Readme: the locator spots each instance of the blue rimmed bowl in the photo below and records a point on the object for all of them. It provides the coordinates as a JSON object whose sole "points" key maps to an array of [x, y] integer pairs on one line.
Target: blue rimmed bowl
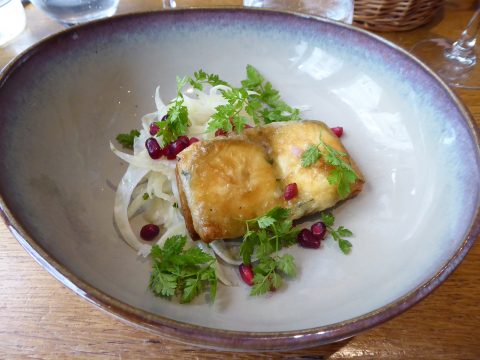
{"points": [[65, 98]]}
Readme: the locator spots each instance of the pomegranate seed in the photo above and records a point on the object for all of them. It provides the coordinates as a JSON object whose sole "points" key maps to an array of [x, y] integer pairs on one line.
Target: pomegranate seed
{"points": [[337, 131], [248, 126], [193, 140], [164, 118], [319, 229], [149, 232], [153, 148], [154, 129], [291, 190], [220, 132], [174, 148], [306, 239], [184, 139], [246, 272]]}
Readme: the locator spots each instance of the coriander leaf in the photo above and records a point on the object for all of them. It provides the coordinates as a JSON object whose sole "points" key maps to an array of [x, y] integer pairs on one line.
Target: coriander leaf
{"points": [[328, 218], [266, 235], [344, 232], [345, 246], [338, 234], [278, 213], [272, 108], [174, 245], [265, 221], [310, 156], [266, 245], [193, 256], [176, 122], [248, 246], [201, 77], [127, 139], [261, 285], [181, 82], [156, 252], [275, 280], [145, 196], [342, 175], [286, 264], [192, 287], [162, 284], [185, 273]]}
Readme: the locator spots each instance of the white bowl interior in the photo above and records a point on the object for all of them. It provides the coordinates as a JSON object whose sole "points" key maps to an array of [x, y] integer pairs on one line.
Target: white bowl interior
{"points": [[401, 126]]}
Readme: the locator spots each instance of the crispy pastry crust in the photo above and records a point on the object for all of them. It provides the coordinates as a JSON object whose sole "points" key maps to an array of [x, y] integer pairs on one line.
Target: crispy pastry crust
{"points": [[227, 180]]}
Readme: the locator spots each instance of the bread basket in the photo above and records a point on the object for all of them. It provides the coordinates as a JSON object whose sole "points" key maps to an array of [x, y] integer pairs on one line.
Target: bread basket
{"points": [[393, 15]]}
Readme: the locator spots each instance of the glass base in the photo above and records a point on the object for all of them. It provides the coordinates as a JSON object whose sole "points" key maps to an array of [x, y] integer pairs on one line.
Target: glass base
{"points": [[434, 53]]}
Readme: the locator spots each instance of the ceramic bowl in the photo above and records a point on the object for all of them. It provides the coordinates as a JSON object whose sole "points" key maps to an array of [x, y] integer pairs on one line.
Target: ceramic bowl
{"points": [[67, 97]]}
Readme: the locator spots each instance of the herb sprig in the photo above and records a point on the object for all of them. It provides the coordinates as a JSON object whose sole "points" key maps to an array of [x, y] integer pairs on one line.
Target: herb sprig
{"points": [[342, 175], [338, 234], [264, 104], [127, 139], [265, 236], [176, 122], [185, 273], [256, 98], [200, 77]]}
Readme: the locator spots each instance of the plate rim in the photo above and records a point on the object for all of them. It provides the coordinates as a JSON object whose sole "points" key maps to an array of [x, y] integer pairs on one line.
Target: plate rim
{"points": [[232, 339]]}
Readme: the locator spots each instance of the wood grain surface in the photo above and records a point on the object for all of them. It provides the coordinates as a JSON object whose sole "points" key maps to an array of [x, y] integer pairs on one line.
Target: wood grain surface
{"points": [[40, 319]]}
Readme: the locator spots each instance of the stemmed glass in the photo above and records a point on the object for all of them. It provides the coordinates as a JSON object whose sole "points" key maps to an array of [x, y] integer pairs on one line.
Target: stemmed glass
{"points": [[454, 61]]}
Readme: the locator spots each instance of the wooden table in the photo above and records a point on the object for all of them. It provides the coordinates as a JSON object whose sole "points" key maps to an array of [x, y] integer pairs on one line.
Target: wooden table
{"points": [[39, 318]]}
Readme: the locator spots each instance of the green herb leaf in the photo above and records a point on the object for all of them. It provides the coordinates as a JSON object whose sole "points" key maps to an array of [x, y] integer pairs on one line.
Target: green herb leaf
{"points": [[339, 234], [310, 156], [127, 139], [201, 77], [265, 236], [145, 196], [161, 283], [185, 273], [286, 264], [328, 218], [342, 175]]}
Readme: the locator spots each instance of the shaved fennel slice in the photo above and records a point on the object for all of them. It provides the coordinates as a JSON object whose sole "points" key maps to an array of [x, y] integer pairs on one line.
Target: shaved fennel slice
{"points": [[224, 252], [129, 181], [142, 160], [224, 273], [159, 185], [161, 107], [137, 202]]}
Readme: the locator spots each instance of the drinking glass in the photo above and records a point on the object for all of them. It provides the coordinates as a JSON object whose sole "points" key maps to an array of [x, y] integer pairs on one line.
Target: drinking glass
{"points": [[456, 62], [12, 20], [72, 12], [340, 10]]}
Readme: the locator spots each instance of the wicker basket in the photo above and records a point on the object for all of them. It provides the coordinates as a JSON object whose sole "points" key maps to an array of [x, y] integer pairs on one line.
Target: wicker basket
{"points": [[393, 15]]}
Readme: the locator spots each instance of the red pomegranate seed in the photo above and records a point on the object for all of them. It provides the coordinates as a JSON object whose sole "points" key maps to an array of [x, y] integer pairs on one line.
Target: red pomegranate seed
{"points": [[154, 129], [193, 140], [291, 190], [184, 139], [247, 126], [149, 232], [246, 272], [307, 240], [153, 148], [337, 131], [319, 229], [220, 132], [174, 148]]}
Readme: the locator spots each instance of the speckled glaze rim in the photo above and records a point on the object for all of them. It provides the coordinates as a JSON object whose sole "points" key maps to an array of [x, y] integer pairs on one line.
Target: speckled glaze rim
{"points": [[226, 339]]}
